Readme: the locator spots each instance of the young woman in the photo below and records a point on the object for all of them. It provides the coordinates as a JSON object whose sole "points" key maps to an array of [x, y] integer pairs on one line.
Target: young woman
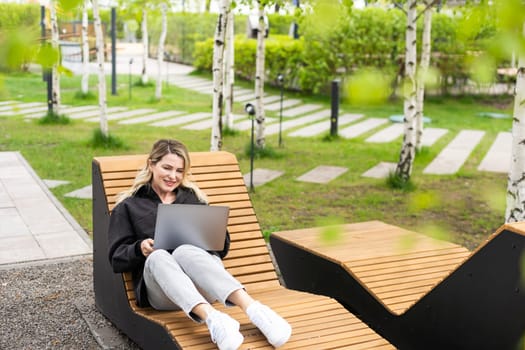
{"points": [[188, 278]]}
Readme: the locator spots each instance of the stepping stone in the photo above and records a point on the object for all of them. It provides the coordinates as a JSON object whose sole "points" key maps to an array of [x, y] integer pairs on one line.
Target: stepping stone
{"points": [[19, 108], [183, 120], [494, 115], [66, 110], [247, 124], [202, 125], [322, 174], [261, 177], [388, 134], [400, 118], [95, 112], [452, 157], [431, 135], [292, 123], [318, 128], [243, 98], [381, 170], [302, 109], [35, 110], [241, 92], [499, 156], [54, 183], [362, 127], [82, 193], [152, 117], [286, 103], [196, 84], [273, 98], [124, 114], [2, 103]]}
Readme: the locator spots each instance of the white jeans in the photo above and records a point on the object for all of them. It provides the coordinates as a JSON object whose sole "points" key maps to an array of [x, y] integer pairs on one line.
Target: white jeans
{"points": [[187, 277]]}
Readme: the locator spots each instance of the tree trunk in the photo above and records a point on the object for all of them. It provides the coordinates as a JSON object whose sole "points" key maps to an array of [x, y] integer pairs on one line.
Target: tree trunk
{"points": [[425, 63], [101, 74], [218, 67], [55, 87], [406, 157], [145, 46], [229, 71], [160, 52], [85, 49], [259, 79], [516, 184]]}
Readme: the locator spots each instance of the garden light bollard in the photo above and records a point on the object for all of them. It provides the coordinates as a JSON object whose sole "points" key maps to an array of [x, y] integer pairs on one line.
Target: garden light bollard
{"points": [[335, 108], [113, 51], [250, 109], [130, 63], [280, 79]]}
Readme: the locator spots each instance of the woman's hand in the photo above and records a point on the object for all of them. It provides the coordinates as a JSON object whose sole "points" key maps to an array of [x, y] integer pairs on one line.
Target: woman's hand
{"points": [[146, 247]]}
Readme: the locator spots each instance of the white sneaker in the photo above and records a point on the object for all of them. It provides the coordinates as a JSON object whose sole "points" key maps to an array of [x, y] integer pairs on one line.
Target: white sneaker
{"points": [[275, 328], [224, 331]]}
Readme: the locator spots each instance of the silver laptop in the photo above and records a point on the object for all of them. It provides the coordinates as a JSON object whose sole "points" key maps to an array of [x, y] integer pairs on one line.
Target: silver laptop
{"points": [[201, 225]]}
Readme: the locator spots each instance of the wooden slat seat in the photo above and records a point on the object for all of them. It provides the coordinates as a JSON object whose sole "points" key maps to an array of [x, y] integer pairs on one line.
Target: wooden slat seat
{"points": [[318, 322], [416, 291]]}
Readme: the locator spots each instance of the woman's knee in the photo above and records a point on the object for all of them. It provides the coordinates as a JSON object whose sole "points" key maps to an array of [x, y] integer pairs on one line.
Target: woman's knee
{"points": [[155, 257], [187, 250]]}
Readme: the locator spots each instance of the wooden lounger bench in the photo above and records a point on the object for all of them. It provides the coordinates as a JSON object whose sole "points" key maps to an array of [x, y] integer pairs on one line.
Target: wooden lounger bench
{"points": [[415, 291], [318, 322]]}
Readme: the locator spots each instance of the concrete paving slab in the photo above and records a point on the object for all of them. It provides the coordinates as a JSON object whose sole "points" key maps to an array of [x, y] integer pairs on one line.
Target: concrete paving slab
{"points": [[124, 114], [452, 157], [324, 126], [358, 129], [380, 171], [202, 125], [498, 158], [54, 183], [276, 106], [292, 123], [67, 111], [95, 112], [272, 98], [300, 110], [29, 210], [195, 84], [431, 135], [322, 174], [186, 119], [387, 134], [19, 108], [261, 177], [60, 244], [244, 98], [152, 117], [246, 124], [81, 193], [3, 103]]}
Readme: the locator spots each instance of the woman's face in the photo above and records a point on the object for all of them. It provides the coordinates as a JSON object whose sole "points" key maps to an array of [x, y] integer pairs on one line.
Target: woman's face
{"points": [[167, 173]]}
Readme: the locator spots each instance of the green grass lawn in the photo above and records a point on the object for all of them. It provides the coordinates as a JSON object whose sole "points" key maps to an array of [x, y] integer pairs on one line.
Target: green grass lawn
{"points": [[465, 208]]}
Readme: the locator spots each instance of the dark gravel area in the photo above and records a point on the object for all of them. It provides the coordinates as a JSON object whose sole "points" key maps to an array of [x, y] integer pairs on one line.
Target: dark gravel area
{"points": [[51, 306]]}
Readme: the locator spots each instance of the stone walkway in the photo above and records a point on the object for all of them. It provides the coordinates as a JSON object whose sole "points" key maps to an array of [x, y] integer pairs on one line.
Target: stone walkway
{"points": [[299, 120]]}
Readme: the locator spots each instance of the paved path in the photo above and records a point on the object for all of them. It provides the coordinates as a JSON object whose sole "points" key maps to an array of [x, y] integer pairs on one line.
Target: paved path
{"points": [[33, 224]]}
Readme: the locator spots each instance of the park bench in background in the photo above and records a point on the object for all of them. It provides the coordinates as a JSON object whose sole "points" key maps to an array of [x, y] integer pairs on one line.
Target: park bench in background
{"points": [[415, 291], [318, 322]]}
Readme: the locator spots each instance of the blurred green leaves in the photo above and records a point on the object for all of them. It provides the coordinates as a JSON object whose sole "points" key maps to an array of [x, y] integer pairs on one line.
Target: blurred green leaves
{"points": [[369, 86]]}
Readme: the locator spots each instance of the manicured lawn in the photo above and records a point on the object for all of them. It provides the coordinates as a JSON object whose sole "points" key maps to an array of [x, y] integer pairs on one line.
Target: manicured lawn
{"points": [[464, 208]]}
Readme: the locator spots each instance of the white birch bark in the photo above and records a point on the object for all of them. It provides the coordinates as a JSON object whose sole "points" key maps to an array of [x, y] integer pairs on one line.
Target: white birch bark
{"points": [[406, 157], [218, 67], [85, 49], [102, 95], [423, 71], [259, 79], [145, 45], [229, 71], [55, 87], [160, 51], [516, 183]]}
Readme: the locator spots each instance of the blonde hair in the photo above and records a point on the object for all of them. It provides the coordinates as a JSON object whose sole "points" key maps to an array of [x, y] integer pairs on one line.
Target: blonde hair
{"points": [[159, 150]]}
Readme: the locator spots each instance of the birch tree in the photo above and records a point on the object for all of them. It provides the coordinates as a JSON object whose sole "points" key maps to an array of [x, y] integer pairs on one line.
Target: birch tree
{"points": [[516, 182], [145, 44], [423, 70], [260, 139], [229, 71], [102, 94], [406, 157], [218, 74], [160, 50], [85, 49], [55, 89]]}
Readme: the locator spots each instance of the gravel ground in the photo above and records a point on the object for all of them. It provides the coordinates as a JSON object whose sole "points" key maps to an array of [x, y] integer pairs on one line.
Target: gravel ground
{"points": [[51, 306]]}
